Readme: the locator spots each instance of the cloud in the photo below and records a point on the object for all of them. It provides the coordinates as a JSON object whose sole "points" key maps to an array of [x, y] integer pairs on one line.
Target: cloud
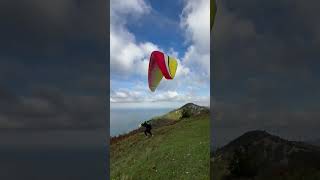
{"points": [[195, 20], [50, 109], [120, 10], [265, 68], [127, 56], [52, 65], [50, 29], [138, 97], [130, 58]]}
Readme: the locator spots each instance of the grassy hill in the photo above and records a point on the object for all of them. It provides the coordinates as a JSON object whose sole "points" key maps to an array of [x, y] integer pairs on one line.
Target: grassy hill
{"points": [[179, 148]]}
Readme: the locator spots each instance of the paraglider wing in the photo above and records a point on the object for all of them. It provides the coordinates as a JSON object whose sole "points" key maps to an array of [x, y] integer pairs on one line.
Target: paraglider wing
{"points": [[160, 65], [172, 65], [154, 72]]}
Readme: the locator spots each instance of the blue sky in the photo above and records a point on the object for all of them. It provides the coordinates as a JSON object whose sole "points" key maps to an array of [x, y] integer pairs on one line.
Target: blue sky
{"points": [[163, 24], [179, 29]]}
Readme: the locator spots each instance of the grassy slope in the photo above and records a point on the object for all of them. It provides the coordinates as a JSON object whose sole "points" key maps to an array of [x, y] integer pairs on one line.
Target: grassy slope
{"points": [[178, 151]]}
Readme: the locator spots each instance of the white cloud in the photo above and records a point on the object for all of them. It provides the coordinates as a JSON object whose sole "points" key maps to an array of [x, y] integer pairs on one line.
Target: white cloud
{"points": [[119, 10], [121, 95], [130, 57], [195, 20], [166, 96], [129, 6], [138, 98]]}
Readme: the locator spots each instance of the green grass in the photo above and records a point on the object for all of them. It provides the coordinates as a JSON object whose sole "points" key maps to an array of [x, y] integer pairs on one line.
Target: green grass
{"points": [[178, 151], [173, 115]]}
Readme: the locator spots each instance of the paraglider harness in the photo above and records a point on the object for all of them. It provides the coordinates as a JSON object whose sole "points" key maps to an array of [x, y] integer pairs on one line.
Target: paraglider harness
{"points": [[148, 128]]}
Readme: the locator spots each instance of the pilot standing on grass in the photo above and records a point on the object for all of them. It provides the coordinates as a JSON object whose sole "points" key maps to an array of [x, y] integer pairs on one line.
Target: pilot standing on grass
{"points": [[148, 128]]}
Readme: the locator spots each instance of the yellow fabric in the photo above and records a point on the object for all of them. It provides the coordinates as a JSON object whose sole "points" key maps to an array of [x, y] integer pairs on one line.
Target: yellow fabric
{"points": [[173, 64]]}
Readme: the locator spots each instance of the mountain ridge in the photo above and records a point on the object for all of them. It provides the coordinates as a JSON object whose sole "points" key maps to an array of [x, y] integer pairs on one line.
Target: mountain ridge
{"points": [[259, 135], [258, 154]]}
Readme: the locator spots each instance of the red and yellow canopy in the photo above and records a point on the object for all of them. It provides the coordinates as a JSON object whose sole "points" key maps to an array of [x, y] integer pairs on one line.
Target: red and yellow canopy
{"points": [[160, 65]]}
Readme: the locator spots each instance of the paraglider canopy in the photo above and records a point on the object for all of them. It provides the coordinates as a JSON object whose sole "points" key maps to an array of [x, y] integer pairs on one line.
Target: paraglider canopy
{"points": [[160, 65]]}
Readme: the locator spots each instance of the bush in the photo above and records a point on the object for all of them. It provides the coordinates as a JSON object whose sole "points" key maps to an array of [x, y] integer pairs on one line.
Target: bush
{"points": [[186, 113]]}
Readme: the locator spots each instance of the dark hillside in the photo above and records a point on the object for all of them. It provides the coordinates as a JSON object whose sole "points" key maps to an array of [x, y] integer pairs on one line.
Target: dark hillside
{"points": [[260, 155]]}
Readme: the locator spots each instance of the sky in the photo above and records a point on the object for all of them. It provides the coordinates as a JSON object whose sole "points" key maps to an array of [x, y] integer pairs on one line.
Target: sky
{"points": [[177, 28], [264, 65], [265, 69], [53, 65], [53, 85]]}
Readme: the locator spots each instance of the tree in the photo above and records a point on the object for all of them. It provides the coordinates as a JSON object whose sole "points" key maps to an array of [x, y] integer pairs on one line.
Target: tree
{"points": [[186, 113]]}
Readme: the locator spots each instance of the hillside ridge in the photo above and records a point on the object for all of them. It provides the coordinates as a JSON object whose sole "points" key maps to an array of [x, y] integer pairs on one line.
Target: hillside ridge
{"points": [[257, 153], [184, 112]]}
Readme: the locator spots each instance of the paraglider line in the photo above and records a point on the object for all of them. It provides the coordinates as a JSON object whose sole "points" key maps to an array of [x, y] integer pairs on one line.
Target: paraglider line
{"points": [[169, 65]]}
